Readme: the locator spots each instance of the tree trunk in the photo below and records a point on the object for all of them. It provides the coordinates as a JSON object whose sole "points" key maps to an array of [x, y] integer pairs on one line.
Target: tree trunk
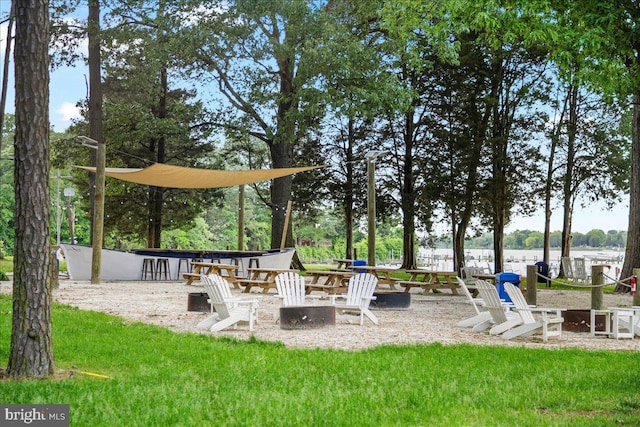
{"points": [[458, 247], [348, 195], [31, 352], [409, 233], [95, 133], [498, 240], [348, 213], [568, 178], [549, 185], [632, 251], [281, 154], [408, 196]]}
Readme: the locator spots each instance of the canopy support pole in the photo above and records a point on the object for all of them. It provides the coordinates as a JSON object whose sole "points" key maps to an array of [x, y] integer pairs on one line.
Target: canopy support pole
{"points": [[283, 242], [241, 218]]}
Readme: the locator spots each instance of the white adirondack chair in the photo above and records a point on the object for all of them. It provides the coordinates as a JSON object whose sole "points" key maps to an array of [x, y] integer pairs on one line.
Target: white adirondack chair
{"points": [[467, 274], [292, 290], [502, 319], [229, 310], [358, 296], [549, 324], [476, 303]]}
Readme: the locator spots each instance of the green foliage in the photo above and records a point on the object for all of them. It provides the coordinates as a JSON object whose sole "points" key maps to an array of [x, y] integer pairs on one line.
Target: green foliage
{"points": [[261, 383], [7, 200], [197, 237]]}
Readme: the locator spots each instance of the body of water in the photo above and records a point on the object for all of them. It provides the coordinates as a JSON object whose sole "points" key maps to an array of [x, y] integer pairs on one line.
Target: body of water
{"points": [[516, 260]]}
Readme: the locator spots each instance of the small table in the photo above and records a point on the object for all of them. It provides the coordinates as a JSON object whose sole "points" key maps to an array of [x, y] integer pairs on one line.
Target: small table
{"points": [[336, 281], [382, 273], [212, 268], [612, 320], [264, 278], [430, 280]]}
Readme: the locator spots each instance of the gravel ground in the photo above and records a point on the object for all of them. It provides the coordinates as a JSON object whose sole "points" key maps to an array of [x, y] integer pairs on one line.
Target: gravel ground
{"points": [[431, 317]]}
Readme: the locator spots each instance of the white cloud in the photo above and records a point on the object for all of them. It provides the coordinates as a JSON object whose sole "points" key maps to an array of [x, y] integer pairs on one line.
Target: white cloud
{"points": [[68, 111]]}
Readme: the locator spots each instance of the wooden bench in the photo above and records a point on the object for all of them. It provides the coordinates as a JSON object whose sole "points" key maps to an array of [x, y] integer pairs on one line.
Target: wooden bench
{"points": [[191, 277], [250, 283], [330, 289], [431, 281], [407, 284]]}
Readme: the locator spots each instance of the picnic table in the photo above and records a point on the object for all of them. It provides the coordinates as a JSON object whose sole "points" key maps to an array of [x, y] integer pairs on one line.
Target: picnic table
{"points": [[336, 281], [382, 273], [343, 263], [203, 268], [430, 280], [262, 277]]}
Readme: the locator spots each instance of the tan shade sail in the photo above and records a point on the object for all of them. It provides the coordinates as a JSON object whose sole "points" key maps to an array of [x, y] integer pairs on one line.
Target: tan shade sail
{"points": [[168, 176]]}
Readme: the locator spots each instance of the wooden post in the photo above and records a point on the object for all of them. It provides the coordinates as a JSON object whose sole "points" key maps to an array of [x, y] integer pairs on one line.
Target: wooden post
{"points": [[597, 292], [241, 218], [53, 267], [532, 285], [636, 297], [283, 242], [371, 211]]}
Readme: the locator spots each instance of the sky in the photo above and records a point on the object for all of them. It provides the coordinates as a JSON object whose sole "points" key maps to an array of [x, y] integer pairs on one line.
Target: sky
{"points": [[69, 85]]}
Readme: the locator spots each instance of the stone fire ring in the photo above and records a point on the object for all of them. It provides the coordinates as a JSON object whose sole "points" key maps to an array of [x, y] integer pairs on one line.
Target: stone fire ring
{"points": [[391, 301], [307, 317]]}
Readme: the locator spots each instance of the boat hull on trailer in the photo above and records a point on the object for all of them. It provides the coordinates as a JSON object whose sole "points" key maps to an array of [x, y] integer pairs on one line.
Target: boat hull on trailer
{"points": [[127, 266]]}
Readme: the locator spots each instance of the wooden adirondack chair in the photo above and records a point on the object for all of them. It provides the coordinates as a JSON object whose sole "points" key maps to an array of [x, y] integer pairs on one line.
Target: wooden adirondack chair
{"points": [[358, 296], [567, 267], [501, 318], [550, 323], [476, 303], [292, 290], [580, 270], [229, 310]]}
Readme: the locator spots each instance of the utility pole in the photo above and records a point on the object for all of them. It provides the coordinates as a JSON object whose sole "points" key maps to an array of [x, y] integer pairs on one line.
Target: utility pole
{"points": [[97, 229]]}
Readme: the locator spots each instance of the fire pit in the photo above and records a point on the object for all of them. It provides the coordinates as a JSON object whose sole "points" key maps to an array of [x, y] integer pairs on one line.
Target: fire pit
{"points": [[580, 321], [391, 301], [307, 317], [197, 301]]}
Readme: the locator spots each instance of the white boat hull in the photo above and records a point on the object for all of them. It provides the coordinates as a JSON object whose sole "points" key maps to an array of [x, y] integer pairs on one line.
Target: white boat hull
{"points": [[127, 266]]}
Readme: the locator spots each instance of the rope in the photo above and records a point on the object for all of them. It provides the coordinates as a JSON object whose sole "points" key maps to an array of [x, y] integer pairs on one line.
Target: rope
{"points": [[619, 282], [576, 285]]}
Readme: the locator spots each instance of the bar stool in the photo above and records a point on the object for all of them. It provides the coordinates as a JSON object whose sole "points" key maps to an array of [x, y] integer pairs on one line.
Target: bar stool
{"points": [[187, 264], [162, 267], [148, 268]]}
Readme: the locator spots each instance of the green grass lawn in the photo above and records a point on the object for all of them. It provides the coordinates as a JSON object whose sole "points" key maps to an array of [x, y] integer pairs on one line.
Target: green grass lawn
{"points": [[161, 378], [6, 265]]}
